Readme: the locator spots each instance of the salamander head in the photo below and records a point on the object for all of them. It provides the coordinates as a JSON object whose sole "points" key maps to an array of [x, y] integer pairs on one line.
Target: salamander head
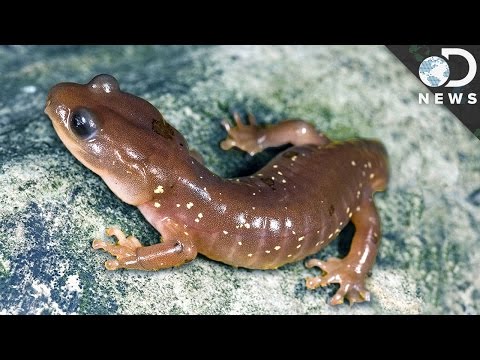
{"points": [[115, 134]]}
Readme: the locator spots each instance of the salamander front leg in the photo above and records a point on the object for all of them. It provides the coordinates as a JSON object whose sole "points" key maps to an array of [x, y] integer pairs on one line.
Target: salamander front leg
{"points": [[253, 139], [351, 271], [130, 254]]}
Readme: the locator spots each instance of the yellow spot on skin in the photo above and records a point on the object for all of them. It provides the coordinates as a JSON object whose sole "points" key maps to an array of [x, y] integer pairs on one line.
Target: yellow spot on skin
{"points": [[375, 234], [253, 207], [372, 175], [284, 181], [341, 223], [299, 246], [294, 158], [197, 220], [157, 204], [289, 255], [253, 194], [200, 215], [275, 166], [330, 236], [240, 243], [273, 177], [185, 233], [301, 238], [249, 255], [353, 163], [225, 232], [279, 173], [293, 232], [277, 248], [337, 231], [369, 164], [318, 243], [158, 190], [189, 205], [267, 251], [247, 225], [364, 165], [350, 214], [348, 210], [358, 208], [178, 205], [358, 194]]}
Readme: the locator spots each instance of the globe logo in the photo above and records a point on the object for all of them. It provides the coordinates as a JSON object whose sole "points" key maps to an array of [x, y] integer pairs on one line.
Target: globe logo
{"points": [[434, 71]]}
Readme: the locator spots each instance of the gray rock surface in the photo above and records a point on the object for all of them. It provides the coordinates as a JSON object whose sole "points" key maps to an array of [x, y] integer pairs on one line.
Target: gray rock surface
{"points": [[52, 207]]}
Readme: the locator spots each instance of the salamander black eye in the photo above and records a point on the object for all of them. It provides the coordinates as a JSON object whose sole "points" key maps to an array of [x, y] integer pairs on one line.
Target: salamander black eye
{"points": [[82, 124]]}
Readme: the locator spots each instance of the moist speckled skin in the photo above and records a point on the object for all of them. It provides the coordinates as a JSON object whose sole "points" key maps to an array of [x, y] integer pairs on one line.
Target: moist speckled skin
{"points": [[290, 209]]}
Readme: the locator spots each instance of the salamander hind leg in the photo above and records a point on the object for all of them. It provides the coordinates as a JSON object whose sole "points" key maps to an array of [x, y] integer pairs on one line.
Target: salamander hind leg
{"points": [[130, 254], [351, 271], [253, 139]]}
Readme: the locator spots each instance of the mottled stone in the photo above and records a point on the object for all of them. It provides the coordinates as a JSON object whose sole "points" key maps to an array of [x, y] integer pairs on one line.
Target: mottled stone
{"points": [[53, 207]]}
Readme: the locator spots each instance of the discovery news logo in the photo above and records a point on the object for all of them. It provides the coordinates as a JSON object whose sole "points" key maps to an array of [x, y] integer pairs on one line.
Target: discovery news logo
{"points": [[434, 72]]}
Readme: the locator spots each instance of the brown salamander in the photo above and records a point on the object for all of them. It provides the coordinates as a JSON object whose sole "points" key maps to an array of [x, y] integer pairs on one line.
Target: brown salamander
{"points": [[288, 210]]}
